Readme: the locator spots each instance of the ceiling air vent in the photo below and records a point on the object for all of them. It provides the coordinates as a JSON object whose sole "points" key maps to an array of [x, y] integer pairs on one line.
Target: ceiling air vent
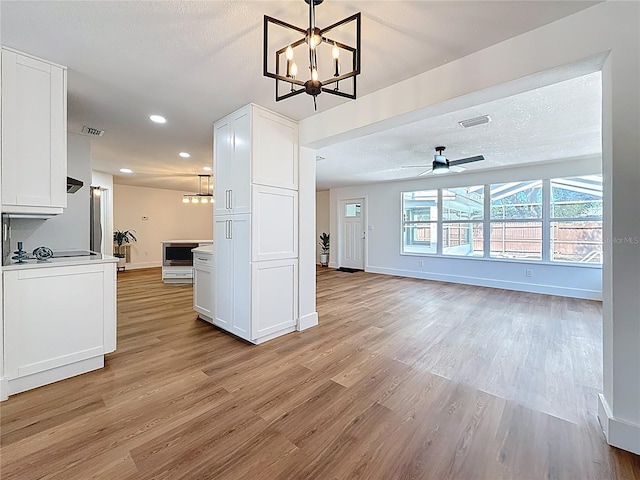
{"points": [[94, 132], [473, 122]]}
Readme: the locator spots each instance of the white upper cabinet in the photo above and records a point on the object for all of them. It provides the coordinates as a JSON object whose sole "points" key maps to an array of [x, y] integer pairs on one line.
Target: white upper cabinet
{"points": [[275, 150], [232, 163], [34, 135], [252, 146]]}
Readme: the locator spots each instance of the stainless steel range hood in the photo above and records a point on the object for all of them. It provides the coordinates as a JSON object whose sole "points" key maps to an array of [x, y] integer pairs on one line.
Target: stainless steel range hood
{"points": [[73, 185]]}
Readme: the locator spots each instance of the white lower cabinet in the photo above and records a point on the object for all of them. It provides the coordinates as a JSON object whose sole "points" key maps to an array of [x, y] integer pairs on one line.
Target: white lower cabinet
{"points": [[256, 301], [274, 299], [231, 237], [203, 295], [59, 322]]}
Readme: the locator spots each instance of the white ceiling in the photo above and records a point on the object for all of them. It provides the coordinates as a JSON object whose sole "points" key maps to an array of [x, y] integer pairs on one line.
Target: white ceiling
{"points": [[194, 62], [558, 121]]}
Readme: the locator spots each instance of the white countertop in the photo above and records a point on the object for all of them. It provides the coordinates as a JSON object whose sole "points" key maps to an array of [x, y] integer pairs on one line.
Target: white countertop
{"points": [[207, 249], [187, 241], [60, 262]]}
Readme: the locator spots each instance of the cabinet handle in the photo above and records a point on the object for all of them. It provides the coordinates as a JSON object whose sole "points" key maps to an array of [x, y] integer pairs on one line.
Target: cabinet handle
{"points": [[230, 229], [230, 199], [202, 259], [226, 199], [226, 229]]}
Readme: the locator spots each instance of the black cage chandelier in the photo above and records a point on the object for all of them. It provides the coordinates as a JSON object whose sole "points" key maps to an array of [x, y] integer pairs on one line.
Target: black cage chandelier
{"points": [[205, 192], [313, 38]]}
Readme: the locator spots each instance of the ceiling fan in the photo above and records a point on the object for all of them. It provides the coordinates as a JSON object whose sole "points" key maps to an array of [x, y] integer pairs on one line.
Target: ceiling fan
{"points": [[442, 165]]}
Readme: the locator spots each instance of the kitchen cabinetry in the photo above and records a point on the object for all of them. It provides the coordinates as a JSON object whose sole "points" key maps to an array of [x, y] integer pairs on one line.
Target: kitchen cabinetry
{"points": [[60, 320], [34, 135], [256, 224], [203, 295], [232, 274], [231, 177]]}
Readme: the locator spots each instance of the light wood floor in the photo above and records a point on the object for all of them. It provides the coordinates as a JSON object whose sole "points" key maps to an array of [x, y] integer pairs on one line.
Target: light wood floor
{"points": [[402, 379]]}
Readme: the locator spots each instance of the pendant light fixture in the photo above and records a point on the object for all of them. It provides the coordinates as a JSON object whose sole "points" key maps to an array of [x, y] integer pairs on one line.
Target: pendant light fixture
{"points": [[205, 192], [327, 57]]}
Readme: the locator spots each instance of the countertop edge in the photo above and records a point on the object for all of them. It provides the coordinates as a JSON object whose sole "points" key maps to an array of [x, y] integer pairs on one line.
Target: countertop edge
{"points": [[207, 249], [67, 262], [187, 241]]}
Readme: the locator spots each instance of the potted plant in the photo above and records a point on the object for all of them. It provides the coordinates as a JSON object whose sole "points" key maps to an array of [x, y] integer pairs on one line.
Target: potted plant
{"points": [[324, 245], [120, 237]]}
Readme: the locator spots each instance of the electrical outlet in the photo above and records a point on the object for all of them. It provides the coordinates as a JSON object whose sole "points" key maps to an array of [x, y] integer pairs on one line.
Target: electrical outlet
{"points": [[528, 272]]}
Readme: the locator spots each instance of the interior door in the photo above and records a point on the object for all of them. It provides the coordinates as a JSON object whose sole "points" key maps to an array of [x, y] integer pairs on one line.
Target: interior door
{"points": [[352, 233]]}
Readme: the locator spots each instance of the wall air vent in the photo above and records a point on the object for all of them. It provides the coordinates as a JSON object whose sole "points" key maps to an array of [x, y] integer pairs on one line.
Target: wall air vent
{"points": [[473, 122], [94, 132]]}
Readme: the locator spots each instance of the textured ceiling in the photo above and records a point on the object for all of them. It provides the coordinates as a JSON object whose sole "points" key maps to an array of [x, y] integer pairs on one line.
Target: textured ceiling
{"points": [[194, 62], [558, 121]]}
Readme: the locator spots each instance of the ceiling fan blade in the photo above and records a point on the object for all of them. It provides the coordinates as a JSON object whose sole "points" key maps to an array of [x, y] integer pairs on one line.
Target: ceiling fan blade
{"points": [[413, 166], [462, 161], [425, 172], [456, 169], [477, 158]]}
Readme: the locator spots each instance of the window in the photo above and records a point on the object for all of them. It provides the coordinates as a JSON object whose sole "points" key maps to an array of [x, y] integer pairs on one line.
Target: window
{"points": [[556, 220], [516, 220], [420, 222], [576, 219], [462, 217], [352, 210]]}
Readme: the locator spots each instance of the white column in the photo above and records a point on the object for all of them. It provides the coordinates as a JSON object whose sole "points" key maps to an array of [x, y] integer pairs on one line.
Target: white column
{"points": [[308, 317], [619, 406]]}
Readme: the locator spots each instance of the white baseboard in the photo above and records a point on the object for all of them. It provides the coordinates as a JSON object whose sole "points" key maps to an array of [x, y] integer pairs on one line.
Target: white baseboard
{"points": [[137, 266], [28, 382], [4, 389], [273, 335], [308, 321], [489, 282], [618, 433]]}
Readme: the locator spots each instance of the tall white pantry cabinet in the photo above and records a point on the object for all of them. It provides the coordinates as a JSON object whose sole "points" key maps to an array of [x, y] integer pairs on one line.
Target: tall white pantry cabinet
{"points": [[255, 158]]}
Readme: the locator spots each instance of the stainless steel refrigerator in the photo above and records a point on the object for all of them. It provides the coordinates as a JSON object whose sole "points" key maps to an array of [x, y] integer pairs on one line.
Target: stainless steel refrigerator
{"points": [[95, 221]]}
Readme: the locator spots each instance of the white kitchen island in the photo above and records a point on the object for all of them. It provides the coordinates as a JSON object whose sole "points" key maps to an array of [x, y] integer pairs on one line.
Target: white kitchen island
{"points": [[177, 261], [59, 319]]}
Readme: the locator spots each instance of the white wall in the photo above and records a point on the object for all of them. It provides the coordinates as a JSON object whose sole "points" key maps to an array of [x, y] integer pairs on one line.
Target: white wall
{"points": [[322, 218], [105, 182], [382, 253], [69, 230], [168, 219], [603, 37]]}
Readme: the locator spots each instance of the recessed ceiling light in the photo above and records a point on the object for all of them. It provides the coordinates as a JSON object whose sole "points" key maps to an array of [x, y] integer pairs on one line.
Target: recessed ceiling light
{"points": [[126, 170], [184, 154], [157, 119], [208, 169]]}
